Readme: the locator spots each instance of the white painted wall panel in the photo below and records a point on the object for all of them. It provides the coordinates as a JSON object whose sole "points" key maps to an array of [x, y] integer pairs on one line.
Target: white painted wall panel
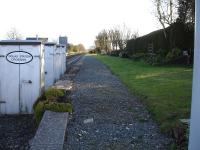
{"points": [[20, 84], [9, 82], [49, 65], [30, 79]]}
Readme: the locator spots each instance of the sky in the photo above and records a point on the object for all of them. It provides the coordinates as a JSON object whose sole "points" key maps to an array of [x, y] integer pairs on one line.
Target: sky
{"points": [[79, 20]]}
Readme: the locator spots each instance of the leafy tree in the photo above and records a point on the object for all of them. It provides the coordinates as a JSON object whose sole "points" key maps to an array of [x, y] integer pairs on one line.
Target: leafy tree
{"points": [[186, 11]]}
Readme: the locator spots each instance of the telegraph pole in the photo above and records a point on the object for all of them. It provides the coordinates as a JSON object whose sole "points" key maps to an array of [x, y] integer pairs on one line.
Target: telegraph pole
{"points": [[194, 138]]}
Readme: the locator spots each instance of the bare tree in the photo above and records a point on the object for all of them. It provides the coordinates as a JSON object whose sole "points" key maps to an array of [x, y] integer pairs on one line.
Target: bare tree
{"points": [[121, 35], [125, 35], [115, 38], [166, 12], [81, 48], [13, 34], [102, 41]]}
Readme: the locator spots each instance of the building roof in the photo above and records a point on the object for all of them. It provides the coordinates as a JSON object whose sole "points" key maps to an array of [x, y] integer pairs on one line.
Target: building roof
{"points": [[20, 42], [50, 44], [39, 38]]}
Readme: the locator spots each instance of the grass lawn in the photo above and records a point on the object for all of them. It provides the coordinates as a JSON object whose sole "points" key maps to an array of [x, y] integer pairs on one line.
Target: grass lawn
{"points": [[166, 90]]}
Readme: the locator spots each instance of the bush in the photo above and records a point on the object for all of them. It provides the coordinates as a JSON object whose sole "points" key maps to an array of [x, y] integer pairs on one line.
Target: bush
{"points": [[51, 100], [115, 53], [123, 54], [57, 107], [52, 94], [174, 54]]}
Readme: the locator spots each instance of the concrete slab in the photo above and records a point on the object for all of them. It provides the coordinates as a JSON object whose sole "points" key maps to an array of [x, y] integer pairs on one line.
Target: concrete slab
{"points": [[51, 132], [63, 84]]}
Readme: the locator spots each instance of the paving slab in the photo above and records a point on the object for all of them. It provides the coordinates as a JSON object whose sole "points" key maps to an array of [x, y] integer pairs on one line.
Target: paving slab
{"points": [[51, 132]]}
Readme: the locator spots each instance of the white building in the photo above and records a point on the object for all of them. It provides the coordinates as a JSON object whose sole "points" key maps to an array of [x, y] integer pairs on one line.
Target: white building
{"points": [[21, 75]]}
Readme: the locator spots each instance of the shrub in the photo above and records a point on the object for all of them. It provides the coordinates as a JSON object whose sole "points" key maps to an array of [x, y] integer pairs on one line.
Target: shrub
{"points": [[173, 54], [57, 107], [50, 100], [123, 54], [115, 53], [52, 94]]}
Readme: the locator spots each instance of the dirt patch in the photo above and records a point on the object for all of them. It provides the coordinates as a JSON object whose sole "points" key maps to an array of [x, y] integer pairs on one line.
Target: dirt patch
{"points": [[16, 131]]}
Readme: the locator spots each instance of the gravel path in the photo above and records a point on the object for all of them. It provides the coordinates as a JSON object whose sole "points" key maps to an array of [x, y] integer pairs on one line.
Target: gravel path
{"points": [[106, 116]]}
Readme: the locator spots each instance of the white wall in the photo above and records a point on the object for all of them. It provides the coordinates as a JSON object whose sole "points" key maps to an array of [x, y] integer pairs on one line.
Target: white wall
{"points": [[21, 84], [49, 65]]}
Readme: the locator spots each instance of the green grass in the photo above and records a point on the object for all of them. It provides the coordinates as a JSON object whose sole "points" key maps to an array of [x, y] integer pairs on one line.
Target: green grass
{"points": [[165, 90]]}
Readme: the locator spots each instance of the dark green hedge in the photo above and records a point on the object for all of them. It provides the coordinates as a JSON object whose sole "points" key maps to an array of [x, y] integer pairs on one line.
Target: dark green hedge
{"points": [[179, 36]]}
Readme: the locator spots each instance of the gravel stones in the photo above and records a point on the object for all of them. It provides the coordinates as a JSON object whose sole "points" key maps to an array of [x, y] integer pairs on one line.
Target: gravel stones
{"points": [[119, 120]]}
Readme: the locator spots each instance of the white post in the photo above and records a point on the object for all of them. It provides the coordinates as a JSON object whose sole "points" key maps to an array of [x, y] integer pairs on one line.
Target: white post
{"points": [[194, 138]]}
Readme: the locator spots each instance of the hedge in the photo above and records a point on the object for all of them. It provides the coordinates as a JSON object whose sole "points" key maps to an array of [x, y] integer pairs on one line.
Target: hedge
{"points": [[179, 35]]}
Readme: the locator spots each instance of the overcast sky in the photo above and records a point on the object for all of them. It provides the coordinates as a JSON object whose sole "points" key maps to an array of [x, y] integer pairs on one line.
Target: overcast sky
{"points": [[80, 20]]}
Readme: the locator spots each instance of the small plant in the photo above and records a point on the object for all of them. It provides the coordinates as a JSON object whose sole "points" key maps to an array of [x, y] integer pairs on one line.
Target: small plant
{"points": [[50, 100], [115, 53], [173, 54], [123, 54], [52, 94], [52, 106]]}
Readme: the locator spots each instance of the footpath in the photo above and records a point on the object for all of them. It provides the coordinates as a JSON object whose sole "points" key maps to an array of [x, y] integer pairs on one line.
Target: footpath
{"points": [[106, 116]]}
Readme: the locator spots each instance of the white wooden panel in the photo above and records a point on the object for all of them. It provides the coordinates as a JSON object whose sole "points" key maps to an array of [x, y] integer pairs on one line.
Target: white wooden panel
{"points": [[9, 80], [30, 77], [49, 66]]}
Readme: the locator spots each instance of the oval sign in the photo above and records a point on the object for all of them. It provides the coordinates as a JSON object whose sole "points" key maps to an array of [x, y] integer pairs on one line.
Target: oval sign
{"points": [[19, 57]]}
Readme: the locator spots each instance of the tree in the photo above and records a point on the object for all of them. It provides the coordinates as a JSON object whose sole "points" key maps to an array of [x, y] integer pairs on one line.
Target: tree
{"points": [[120, 35], [81, 48], [102, 41], [114, 38], [124, 35], [186, 11], [76, 48], [166, 12], [13, 34]]}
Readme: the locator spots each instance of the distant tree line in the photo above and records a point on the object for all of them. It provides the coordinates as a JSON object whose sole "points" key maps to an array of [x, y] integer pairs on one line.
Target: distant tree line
{"points": [[76, 48], [113, 39]]}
